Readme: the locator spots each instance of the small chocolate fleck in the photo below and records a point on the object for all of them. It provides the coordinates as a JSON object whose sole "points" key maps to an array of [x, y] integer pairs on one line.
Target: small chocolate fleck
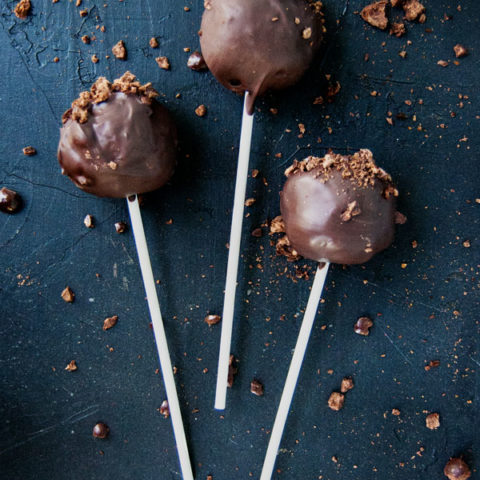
{"points": [[72, 366], [212, 319], [347, 384], [29, 151], [457, 469], [164, 409], [362, 327], [256, 388], [10, 201], [120, 227], [110, 322], [100, 430], [68, 295], [336, 401], [196, 62]]}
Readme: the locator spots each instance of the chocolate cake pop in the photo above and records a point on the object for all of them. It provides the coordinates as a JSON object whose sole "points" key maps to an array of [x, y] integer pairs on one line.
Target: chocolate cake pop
{"points": [[338, 208], [117, 140], [255, 46]]}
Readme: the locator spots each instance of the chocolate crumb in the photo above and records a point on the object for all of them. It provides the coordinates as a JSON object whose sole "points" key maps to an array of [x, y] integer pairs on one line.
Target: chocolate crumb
{"points": [[164, 409], [433, 421], [212, 319], [153, 42], [29, 151], [232, 371], [363, 325], [68, 295], [120, 227], [22, 9], [163, 62], [347, 384], [256, 388], [375, 14], [283, 247], [336, 401], [100, 430], [110, 322], [201, 110], [196, 62], [119, 50], [457, 469], [88, 221], [10, 200], [72, 366], [460, 50]]}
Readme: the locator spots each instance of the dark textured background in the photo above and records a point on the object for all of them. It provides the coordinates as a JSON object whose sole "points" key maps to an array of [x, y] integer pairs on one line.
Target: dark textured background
{"points": [[425, 311]]}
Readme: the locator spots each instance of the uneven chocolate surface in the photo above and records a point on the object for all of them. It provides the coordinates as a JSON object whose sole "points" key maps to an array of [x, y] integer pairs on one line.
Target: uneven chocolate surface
{"points": [[339, 208], [125, 143], [254, 46]]}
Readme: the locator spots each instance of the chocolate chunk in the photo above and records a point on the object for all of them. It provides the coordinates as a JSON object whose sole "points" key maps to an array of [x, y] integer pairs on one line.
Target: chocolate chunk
{"points": [[10, 200], [362, 327], [120, 227], [232, 371], [212, 319], [164, 409], [29, 151], [119, 50], [336, 401], [460, 50], [256, 388], [347, 384], [110, 322], [432, 421], [247, 53], [72, 366], [376, 14], [457, 469], [68, 295], [196, 62], [100, 430], [86, 39]]}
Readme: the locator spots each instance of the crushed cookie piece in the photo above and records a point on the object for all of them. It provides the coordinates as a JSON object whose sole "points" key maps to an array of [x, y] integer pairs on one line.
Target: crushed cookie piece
{"points": [[120, 227], [29, 151], [351, 211], [72, 366], [112, 165], [212, 319], [347, 384], [413, 9], [119, 50], [336, 401], [22, 9], [256, 388], [283, 247], [153, 42], [432, 421], [307, 33], [460, 50], [163, 63], [457, 469], [395, 412], [164, 409], [400, 218], [83, 13], [232, 371], [201, 110], [398, 29], [375, 14], [249, 202], [466, 244], [68, 295], [196, 62], [362, 326], [89, 221], [86, 39], [442, 63], [255, 173], [277, 225], [110, 322], [100, 430], [94, 59]]}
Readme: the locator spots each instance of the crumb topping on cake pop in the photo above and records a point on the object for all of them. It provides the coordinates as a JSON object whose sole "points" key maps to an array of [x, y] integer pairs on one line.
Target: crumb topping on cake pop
{"points": [[101, 91]]}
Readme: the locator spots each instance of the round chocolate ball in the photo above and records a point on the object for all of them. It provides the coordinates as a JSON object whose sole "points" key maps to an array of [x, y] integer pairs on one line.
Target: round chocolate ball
{"points": [[254, 46], [339, 209], [117, 140]]}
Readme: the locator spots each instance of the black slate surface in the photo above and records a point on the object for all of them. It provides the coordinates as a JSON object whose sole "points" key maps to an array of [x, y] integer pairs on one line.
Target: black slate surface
{"points": [[424, 300]]}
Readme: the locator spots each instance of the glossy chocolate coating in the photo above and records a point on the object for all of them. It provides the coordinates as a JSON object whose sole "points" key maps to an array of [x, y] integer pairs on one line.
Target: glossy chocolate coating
{"points": [[126, 146], [313, 209], [257, 45]]}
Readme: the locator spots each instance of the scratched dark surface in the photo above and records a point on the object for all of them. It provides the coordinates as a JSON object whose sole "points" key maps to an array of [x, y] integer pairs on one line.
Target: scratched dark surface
{"points": [[424, 300]]}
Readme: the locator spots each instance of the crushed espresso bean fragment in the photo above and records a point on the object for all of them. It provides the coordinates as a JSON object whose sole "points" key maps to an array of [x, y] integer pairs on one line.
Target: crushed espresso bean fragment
{"points": [[347, 384], [100, 430], [457, 469], [110, 322], [212, 319], [68, 295], [120, 227], [256, 388], [196, 62], [363, 325], [29, 151], [336, 401], [10, 200], [72, 366], [119, 50], [164, 409], [432, 421]]}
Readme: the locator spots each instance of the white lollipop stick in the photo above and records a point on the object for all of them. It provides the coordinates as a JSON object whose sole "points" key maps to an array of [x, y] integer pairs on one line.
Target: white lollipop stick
{"points": [[233, 257], [160, 337], [294, 371]]}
